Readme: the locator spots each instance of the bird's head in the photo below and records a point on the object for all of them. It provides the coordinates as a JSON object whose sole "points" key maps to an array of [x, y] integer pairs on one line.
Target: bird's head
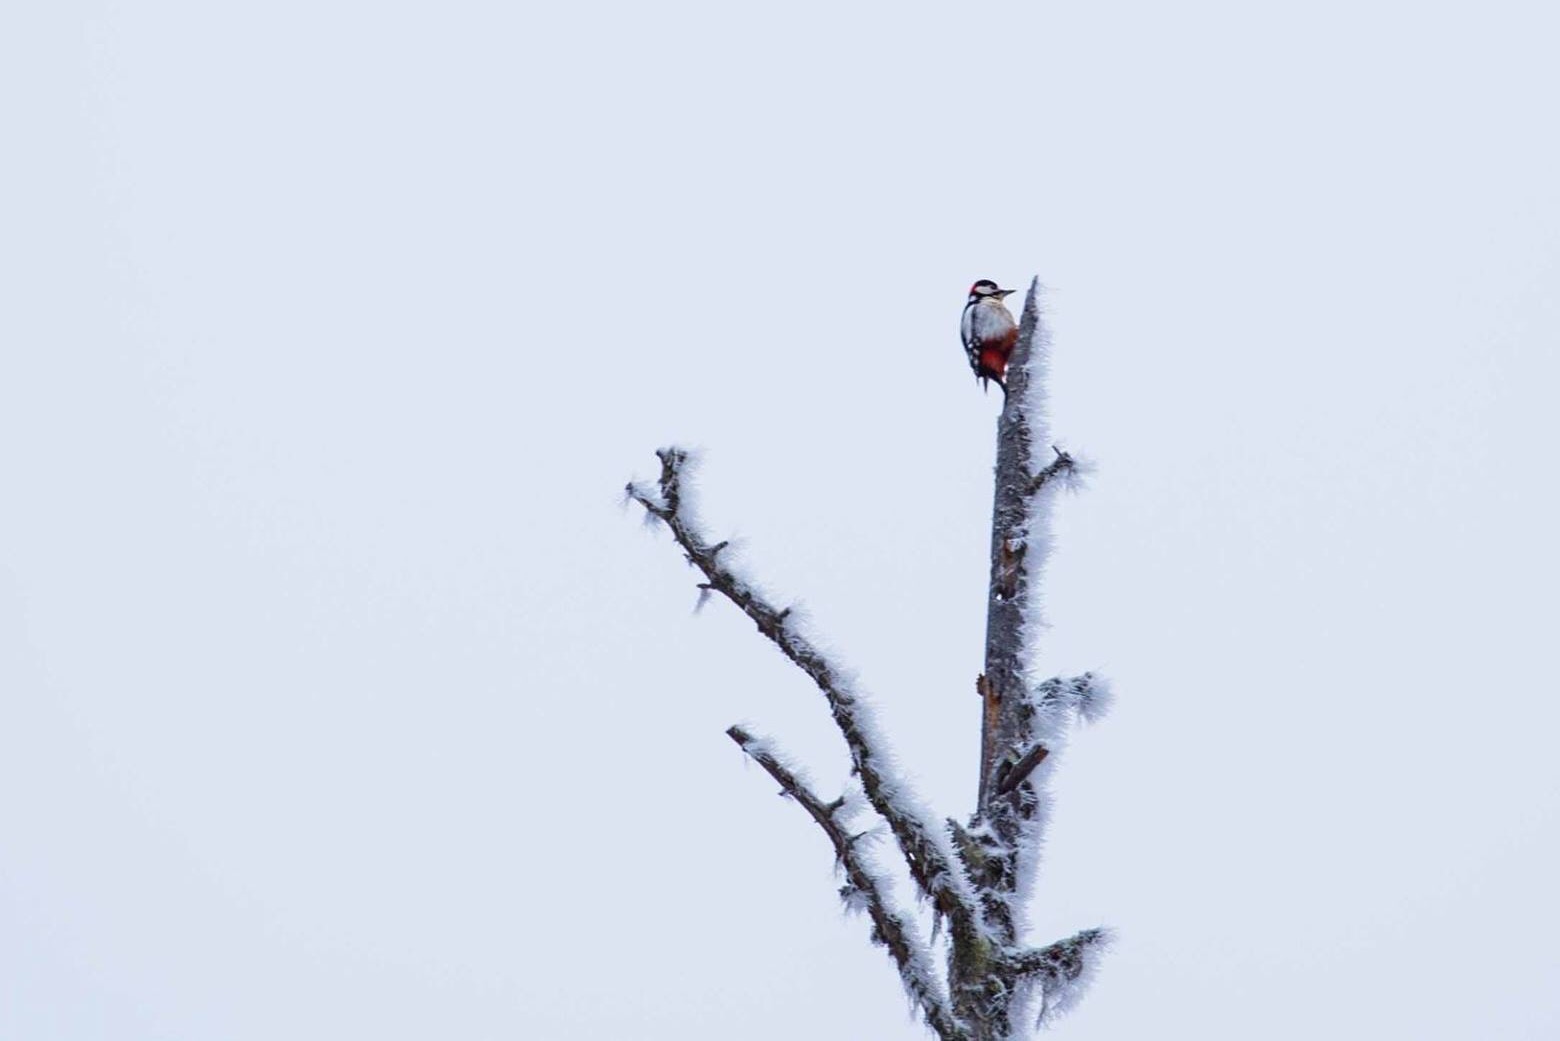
{"points": [[986, 288]]}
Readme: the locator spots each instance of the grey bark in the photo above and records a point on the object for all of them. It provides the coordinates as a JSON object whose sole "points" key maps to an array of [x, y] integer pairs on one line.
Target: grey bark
{"points": [[984, 990]]}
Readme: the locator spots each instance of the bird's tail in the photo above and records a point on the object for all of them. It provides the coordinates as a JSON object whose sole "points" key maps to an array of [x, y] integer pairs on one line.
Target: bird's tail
{"points": [[987, 380]]}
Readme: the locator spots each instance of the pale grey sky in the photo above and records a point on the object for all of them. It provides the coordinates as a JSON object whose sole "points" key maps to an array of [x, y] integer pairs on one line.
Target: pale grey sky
{"points": [[339, 699]]}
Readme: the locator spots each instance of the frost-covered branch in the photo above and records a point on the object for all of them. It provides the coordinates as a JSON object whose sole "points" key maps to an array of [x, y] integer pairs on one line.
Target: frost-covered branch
{"points": [[864, 890], [1087, 696], [1001, 854], [1062, 970], [1063, 465], [1021, 725], [933, 870], [1064, 959]]}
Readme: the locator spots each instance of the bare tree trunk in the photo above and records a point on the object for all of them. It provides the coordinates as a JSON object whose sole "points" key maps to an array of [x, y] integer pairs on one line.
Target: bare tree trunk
{"points": [[984, 993], [973, 875], [1008, 594]]}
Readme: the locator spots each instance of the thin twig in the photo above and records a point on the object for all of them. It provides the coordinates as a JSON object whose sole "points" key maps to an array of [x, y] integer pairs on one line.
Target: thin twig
{"points": [[890, 928], [1063, 463]]}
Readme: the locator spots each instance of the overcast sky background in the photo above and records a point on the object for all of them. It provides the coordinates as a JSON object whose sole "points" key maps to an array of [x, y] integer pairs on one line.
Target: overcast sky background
{"points": [[339, 698]]}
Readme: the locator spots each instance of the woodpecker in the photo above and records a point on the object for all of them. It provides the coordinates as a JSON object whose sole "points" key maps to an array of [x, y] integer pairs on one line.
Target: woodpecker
{"points": [[988, 332]]}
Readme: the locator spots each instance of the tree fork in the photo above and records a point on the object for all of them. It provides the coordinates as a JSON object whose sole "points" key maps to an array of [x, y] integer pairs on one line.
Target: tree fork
{"points": [[968, 874]]}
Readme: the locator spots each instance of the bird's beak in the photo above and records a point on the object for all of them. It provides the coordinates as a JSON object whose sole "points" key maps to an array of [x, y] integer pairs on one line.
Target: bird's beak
{"points": [[1006, 292]]}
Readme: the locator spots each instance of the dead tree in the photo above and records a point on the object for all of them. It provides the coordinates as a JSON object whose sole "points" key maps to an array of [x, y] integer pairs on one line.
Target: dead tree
{"points": [[973, 875]]}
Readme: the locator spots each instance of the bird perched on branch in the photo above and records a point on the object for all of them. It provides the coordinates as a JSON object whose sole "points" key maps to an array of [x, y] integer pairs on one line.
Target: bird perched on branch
{"points": [[989, 332]]}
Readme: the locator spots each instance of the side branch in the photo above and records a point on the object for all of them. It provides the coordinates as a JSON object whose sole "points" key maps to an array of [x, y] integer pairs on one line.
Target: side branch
{"points": [[1063, 969], [1063, 464], [1056, 702], [1062, 961], [889, 927], [932, 870], [1015, 775]]}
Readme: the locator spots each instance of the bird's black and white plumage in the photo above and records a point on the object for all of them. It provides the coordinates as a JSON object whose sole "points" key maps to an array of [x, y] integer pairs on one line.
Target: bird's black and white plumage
{"points": [[988, 331]]}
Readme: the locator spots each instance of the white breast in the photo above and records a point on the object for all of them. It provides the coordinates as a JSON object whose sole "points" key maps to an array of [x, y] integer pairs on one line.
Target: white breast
{"points": [[988, 319]]}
